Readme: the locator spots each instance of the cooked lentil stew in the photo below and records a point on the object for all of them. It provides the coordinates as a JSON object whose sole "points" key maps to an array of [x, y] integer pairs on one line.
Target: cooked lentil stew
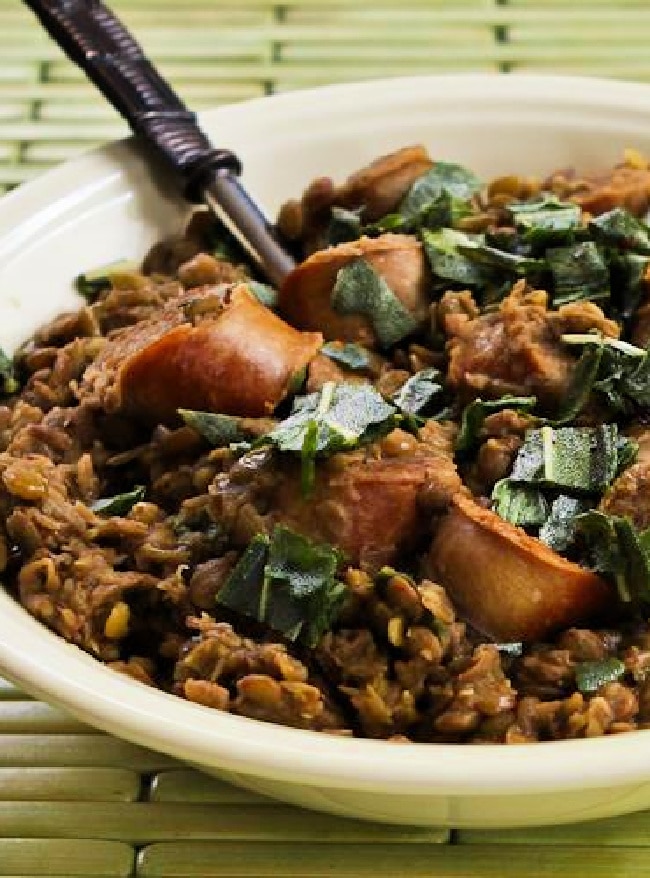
{"points": [[407, 496]]}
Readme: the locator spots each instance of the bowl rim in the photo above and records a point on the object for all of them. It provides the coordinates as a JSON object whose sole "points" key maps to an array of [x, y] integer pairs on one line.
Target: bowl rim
{"points": [[41, 661]]}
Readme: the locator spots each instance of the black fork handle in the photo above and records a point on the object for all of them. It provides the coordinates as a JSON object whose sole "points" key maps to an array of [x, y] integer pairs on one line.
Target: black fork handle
{"points": [[96, 40]]}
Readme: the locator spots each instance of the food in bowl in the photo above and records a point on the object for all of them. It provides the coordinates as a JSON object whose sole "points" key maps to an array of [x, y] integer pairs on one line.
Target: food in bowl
{"points": [[404, 497]]}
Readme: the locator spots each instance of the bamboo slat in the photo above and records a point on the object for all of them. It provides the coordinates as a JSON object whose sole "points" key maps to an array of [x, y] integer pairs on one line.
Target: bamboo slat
{"points": [[209, 860]]}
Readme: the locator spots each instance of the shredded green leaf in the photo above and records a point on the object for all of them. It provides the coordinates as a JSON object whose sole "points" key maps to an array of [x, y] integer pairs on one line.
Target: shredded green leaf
{"points": [[345, 225], [288, 583], [476, 412], [619, 228], [520, 504], [579, 272], [120, 504], [8, 382], [218, 430], [92, 283], [447, 260], [580, 459], [590, 676], [338, 417], [611, 545], [351, 355], [618, 372], [558, 531], [360, 290], [419, 392], [546, 220]]}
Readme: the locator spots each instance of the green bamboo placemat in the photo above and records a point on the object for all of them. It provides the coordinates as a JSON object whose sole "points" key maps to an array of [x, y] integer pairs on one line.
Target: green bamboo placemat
{"points": [[218, 51], [74, 802]]}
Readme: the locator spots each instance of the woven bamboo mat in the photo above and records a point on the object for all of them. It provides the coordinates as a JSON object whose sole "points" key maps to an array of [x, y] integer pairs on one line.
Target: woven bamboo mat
{"points": [[74, 802], [218, 51]]}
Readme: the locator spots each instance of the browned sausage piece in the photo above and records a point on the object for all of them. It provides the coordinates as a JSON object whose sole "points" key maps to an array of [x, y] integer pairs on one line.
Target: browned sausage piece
{"points": [[373, 503], [518, 349], [306, 294], [378, 188], [215, 349], [381, 185], [507, 584], [622, 186]]}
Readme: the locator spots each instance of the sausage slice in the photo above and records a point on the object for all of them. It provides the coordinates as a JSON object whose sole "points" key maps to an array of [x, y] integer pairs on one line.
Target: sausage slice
{"points": [[214, 349]]}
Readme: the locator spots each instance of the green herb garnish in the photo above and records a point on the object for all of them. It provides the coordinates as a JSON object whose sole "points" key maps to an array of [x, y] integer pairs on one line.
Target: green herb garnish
{"points": [[521, 505], [419, 392], [338, 417], [618, 372], [558, 531], [360, 290], [350, 355], [448, 261], [545, 220], [8, 382], [619, 228], [288, 583], [120, 504], [345, 225], [264, 293], [218, 430], [476, 412], [92, 283], [590, 676], [580, 459], [579, 272]]}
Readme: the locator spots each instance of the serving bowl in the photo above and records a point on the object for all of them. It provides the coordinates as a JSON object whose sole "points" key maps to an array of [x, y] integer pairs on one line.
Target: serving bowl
{"points": [[112, 204]]}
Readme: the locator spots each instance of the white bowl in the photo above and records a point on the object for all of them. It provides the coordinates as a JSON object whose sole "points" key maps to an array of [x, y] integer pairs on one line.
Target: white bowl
{"points": [[104, 206]]}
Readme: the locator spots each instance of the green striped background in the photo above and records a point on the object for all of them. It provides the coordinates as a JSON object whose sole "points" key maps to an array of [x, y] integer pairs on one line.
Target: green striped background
{"points": [[217, 51], [75, 802]]}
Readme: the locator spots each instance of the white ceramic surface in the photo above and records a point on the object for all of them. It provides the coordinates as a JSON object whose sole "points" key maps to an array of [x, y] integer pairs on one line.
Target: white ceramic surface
{"points": [[104, 207]]}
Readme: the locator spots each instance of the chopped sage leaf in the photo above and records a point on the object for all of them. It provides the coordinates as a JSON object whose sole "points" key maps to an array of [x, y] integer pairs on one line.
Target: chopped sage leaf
{"points": [[345, 225], [360, 290], [581, 385], [622, 376], [264, 293], [499, 260], [92, 283], [8, 382], [612, 545], [447, 260], [218, 430], [439, 197], [628, 276], [417, 394], [590, 676], [546, 219], [350, 355], [579, 272], [241, 591], [337, 417], [120, 504], [558, 531], [628, 451], [288, 583], [581, 459], [619, 228], [521, 505], [443, 177], [476, 412]]}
